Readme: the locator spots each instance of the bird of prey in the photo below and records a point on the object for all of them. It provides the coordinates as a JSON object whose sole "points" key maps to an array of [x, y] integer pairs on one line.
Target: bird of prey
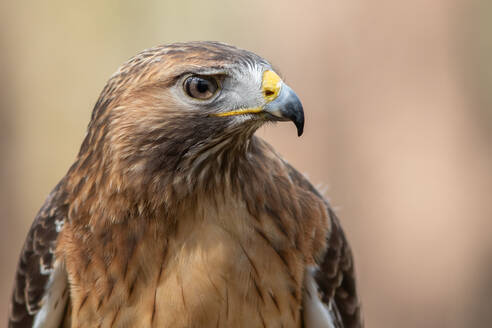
{"points": [[174, 214]]}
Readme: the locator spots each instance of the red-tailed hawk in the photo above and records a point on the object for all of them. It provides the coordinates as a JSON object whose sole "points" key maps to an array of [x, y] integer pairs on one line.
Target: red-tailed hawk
{"points": [[175, 215]]}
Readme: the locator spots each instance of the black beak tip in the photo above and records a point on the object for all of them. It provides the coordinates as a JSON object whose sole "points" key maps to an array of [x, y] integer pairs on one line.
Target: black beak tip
{"points": [[295, 113], [299, 125]]}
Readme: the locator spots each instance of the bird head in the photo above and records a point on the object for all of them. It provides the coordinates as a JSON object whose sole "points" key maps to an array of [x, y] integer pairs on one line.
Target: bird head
{"points": [[231, 87], [209, 87], [172, 108]]}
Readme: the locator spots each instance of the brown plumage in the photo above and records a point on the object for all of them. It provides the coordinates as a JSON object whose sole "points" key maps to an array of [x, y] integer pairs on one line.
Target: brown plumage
{"points": [[175, 215]]}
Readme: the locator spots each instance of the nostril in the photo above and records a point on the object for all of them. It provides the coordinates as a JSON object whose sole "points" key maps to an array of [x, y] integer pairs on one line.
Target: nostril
{"points": [[269, 93]]}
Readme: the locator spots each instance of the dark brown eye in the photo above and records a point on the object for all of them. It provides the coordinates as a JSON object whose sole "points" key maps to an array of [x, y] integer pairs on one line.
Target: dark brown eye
{"points": [[200, 87]]}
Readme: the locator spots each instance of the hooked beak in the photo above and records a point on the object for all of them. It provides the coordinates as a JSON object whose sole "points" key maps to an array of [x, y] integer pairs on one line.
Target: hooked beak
{"points": [[287, 107], [281, 103]]}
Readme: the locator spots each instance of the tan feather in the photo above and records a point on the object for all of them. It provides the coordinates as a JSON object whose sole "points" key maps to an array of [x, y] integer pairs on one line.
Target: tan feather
{"points": [[177, 218]]}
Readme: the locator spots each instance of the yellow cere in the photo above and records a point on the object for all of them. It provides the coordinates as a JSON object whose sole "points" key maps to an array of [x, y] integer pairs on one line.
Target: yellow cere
{"points": [[271, 85]]}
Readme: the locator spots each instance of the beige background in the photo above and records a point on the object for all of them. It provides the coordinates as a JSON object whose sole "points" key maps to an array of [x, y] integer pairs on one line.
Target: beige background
{"points": [[398, 102]]}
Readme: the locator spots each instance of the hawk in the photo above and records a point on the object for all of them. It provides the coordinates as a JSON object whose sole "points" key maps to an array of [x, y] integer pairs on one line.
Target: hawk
{"points": [[175, 214]]}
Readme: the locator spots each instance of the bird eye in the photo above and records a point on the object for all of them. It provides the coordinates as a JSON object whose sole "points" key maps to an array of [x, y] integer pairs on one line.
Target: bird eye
{"points": [[200, 87]]}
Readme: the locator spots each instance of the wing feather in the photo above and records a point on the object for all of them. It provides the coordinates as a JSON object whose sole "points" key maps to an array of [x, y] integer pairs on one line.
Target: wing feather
{"points": [[334, 276], [40, 291]]}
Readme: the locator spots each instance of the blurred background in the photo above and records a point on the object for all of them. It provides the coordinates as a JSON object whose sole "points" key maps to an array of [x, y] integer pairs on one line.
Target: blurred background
{"points": [[398, 99]]}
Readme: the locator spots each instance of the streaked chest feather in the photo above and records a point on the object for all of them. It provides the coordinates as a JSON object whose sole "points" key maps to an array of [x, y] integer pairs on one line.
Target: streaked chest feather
{"points": [[228, 275], [220, 267]]}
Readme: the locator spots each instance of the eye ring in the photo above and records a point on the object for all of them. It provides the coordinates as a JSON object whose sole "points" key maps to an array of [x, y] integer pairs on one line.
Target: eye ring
{"points": [[200, 87]]}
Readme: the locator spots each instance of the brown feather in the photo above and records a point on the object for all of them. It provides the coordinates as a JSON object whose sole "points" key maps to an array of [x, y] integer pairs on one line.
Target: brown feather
{"points": [[179, 219], [37, 260]]}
